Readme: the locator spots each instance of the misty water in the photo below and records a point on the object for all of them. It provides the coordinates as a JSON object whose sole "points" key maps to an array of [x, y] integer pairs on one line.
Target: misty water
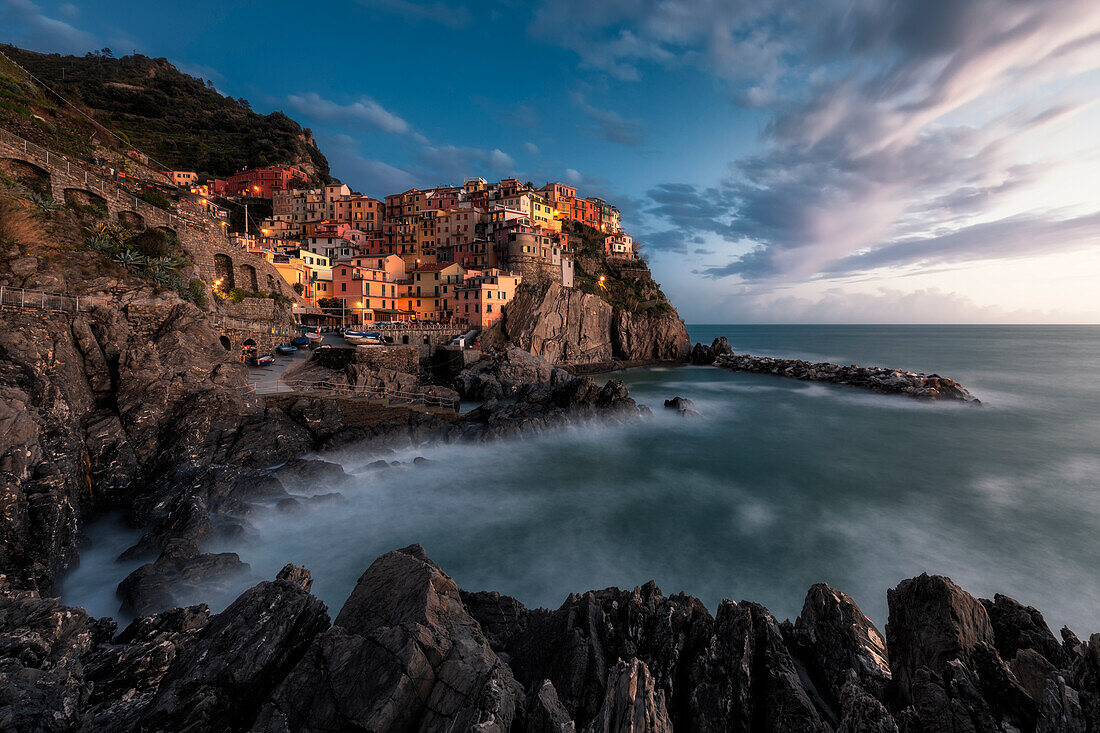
{"points": [[777, 485]]}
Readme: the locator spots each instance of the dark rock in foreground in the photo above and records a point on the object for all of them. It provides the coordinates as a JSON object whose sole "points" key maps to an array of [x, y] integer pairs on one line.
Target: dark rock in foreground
{"points": [[877, 379], [409, 651]]}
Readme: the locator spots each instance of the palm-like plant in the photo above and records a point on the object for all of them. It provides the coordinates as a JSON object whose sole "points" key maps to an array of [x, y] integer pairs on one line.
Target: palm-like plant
{"points": [[45, 203], [130, 259], [101, 243]]}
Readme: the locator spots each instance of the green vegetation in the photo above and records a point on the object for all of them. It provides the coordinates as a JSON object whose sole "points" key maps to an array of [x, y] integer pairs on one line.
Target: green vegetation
{"points": [[152, 254], [156, 198], [299, 288], [330, 304], [196, 292], [626, 286], [181, 121]]}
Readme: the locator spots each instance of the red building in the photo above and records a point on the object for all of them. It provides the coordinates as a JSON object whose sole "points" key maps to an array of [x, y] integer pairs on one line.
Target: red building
{"points": [[263, 182]]}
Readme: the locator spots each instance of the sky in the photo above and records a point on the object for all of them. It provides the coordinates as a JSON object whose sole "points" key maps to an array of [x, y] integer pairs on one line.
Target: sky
{"points": [[780, 161]]}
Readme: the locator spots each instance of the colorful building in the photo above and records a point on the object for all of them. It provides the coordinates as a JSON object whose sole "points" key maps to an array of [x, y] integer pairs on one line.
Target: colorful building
{"points": [[619, 245], [480, 300], [263, 182]]}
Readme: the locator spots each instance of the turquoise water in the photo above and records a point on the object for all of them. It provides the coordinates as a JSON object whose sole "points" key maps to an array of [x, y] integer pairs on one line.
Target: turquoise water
{"points": [[777, 485]]}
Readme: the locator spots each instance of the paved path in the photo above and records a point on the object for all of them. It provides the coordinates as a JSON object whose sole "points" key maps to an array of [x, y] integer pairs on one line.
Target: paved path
{"points": [[266, 378]]}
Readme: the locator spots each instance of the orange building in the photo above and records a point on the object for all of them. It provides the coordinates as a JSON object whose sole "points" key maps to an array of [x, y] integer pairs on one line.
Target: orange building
{"points": [[429, 290], [369, 287], [480, 300]]}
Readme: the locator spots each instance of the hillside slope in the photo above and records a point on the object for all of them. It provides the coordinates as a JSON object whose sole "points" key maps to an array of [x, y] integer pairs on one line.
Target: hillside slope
{"points": [[177, 119]]}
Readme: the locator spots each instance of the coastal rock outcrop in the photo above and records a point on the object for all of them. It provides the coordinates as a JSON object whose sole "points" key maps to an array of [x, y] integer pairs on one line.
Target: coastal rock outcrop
{"points": [[703, 355], [876, 379], [410, 651], [403, 654], [499, 376], [569, 326]]}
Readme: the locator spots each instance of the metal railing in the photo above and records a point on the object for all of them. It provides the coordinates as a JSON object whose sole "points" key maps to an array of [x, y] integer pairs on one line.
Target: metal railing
{"points": [[187, 212], [330, 388], [20, 298]]}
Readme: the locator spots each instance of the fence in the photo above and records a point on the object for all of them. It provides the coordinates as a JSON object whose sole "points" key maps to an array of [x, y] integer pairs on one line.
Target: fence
{"points": [[20, 298], [62, 165], [329, 388]]}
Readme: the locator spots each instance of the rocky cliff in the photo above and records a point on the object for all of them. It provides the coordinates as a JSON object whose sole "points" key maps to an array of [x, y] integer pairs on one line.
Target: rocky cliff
{"points": [[410, 651], [570, 326], [141, 408]]}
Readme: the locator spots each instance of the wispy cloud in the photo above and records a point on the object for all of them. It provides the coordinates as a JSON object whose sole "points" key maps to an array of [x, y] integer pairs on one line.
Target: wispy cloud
{"points": [[453, 163], [608, 124], [26, 25], [363, 110], [372, 176], [890, 124], [449, 14]]}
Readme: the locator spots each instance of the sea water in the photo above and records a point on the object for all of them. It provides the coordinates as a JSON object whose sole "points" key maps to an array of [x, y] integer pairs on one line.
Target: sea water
{"points": [[774, 486]]}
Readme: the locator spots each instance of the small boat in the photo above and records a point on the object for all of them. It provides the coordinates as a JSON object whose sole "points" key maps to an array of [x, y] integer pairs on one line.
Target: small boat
{"points": [[313, 337], [362, 334], [264, 360], [286, 349], [363, 340], [300, 341]]}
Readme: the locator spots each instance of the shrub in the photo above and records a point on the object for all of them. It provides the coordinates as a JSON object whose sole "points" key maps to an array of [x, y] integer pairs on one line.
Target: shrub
{"points": [[299, 288], [236, 295], [196, 292], [156, 198]]}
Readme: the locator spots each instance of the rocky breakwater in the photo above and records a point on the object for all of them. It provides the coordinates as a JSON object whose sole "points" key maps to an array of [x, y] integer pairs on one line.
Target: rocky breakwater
{"points": [[876, 379], [568, 326], [410, 651]]}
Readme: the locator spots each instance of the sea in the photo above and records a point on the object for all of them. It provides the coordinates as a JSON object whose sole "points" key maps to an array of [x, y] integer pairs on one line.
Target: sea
{"points": [[774, 486]]}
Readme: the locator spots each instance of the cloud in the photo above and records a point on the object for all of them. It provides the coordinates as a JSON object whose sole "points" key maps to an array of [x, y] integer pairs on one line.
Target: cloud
{"points": [[608, 125], [365, 109], [882, 305], [924, 130], [453, 163], [28, 27], [452, 15], [531, 148], [371, 176]]}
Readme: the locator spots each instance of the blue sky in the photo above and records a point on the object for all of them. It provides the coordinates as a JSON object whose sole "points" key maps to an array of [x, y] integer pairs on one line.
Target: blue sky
{"points": [[782, 160]]}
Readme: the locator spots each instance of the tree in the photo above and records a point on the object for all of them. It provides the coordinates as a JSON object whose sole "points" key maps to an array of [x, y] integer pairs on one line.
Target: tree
{"points": [[330, 303], [106, 53], [244, 103]]}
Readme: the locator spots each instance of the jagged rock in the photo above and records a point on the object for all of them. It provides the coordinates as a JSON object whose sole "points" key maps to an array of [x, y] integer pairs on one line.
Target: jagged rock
{"points": [[834, 639], [125, 674], [566, 325], [180, 569], [219, 682], [862, 712], [403, 654], [501, 376], [631, 704], [545, 713], [538, 408], [701, 355], [683, 406], [932, 622], [1016, 627], [720, 347], [42, 687], [311, 473]]}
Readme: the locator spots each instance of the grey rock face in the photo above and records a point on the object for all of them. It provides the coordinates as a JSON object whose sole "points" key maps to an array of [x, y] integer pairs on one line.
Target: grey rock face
{"points": [[403, 654], [219, 682], [565, 325]]}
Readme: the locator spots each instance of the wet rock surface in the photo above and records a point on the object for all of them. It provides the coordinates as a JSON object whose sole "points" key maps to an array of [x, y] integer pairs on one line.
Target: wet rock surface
{"points": [[876, 379], [410, 651]]}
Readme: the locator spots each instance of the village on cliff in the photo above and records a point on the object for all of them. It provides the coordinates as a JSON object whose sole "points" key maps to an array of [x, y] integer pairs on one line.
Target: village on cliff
{"points": [[451, 254]]}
